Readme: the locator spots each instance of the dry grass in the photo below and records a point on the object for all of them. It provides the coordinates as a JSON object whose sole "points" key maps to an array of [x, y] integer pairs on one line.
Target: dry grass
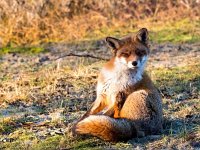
{"points": [[34, 22], [27, 83]]}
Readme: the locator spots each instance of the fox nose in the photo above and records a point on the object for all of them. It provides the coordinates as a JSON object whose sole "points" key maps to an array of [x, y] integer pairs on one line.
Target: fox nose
{"points": [[134, 63]]}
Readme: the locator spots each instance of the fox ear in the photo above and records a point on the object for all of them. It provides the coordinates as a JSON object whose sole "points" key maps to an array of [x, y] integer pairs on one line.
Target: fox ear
{"points": [[143, 35], [113, 43]]}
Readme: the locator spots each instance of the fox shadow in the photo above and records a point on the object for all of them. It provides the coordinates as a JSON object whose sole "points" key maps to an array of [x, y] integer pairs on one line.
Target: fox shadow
{"points": [[171, 128]]}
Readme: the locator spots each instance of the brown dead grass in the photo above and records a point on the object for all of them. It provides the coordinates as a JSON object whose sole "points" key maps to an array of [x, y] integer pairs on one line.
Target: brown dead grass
{"points": [[34, 22]]}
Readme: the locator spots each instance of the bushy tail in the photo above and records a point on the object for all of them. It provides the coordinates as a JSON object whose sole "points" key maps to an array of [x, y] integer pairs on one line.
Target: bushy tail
{"points": [[106, 128]]}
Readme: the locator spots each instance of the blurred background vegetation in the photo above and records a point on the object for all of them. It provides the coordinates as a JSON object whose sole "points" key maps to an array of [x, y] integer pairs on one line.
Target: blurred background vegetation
{"points": [[43, 94], [37, 22]]}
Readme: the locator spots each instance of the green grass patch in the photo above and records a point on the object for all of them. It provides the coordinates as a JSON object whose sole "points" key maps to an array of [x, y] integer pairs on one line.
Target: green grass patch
{"points": [[23, 139], [23, 50], [19, 140], [179, 79], [51, 143], [86, 144], [6, 128], [185, 30]]}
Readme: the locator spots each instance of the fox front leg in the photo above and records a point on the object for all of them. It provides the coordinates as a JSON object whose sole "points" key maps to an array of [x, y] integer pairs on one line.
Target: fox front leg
{"points": [[116, 102], [98, 105], [109, 110], [119, 102]]}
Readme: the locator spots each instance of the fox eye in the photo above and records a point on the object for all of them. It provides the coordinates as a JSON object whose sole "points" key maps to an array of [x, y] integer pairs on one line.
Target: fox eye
{"points": [[124, 54], [140, 52]]}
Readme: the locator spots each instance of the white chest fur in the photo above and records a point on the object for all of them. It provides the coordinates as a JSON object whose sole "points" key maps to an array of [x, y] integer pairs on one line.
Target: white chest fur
{"points": [[118, 79]]}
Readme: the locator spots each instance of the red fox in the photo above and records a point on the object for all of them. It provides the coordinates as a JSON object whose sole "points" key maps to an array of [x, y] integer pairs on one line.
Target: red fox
{"points": [[127, 104]]}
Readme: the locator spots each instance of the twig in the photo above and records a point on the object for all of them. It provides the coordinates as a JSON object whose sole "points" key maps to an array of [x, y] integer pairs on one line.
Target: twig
{"points": [[81, 55]]}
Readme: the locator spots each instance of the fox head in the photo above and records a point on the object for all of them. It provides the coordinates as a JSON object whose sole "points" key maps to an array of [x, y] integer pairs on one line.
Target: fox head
{"points": [[131, 51]]}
